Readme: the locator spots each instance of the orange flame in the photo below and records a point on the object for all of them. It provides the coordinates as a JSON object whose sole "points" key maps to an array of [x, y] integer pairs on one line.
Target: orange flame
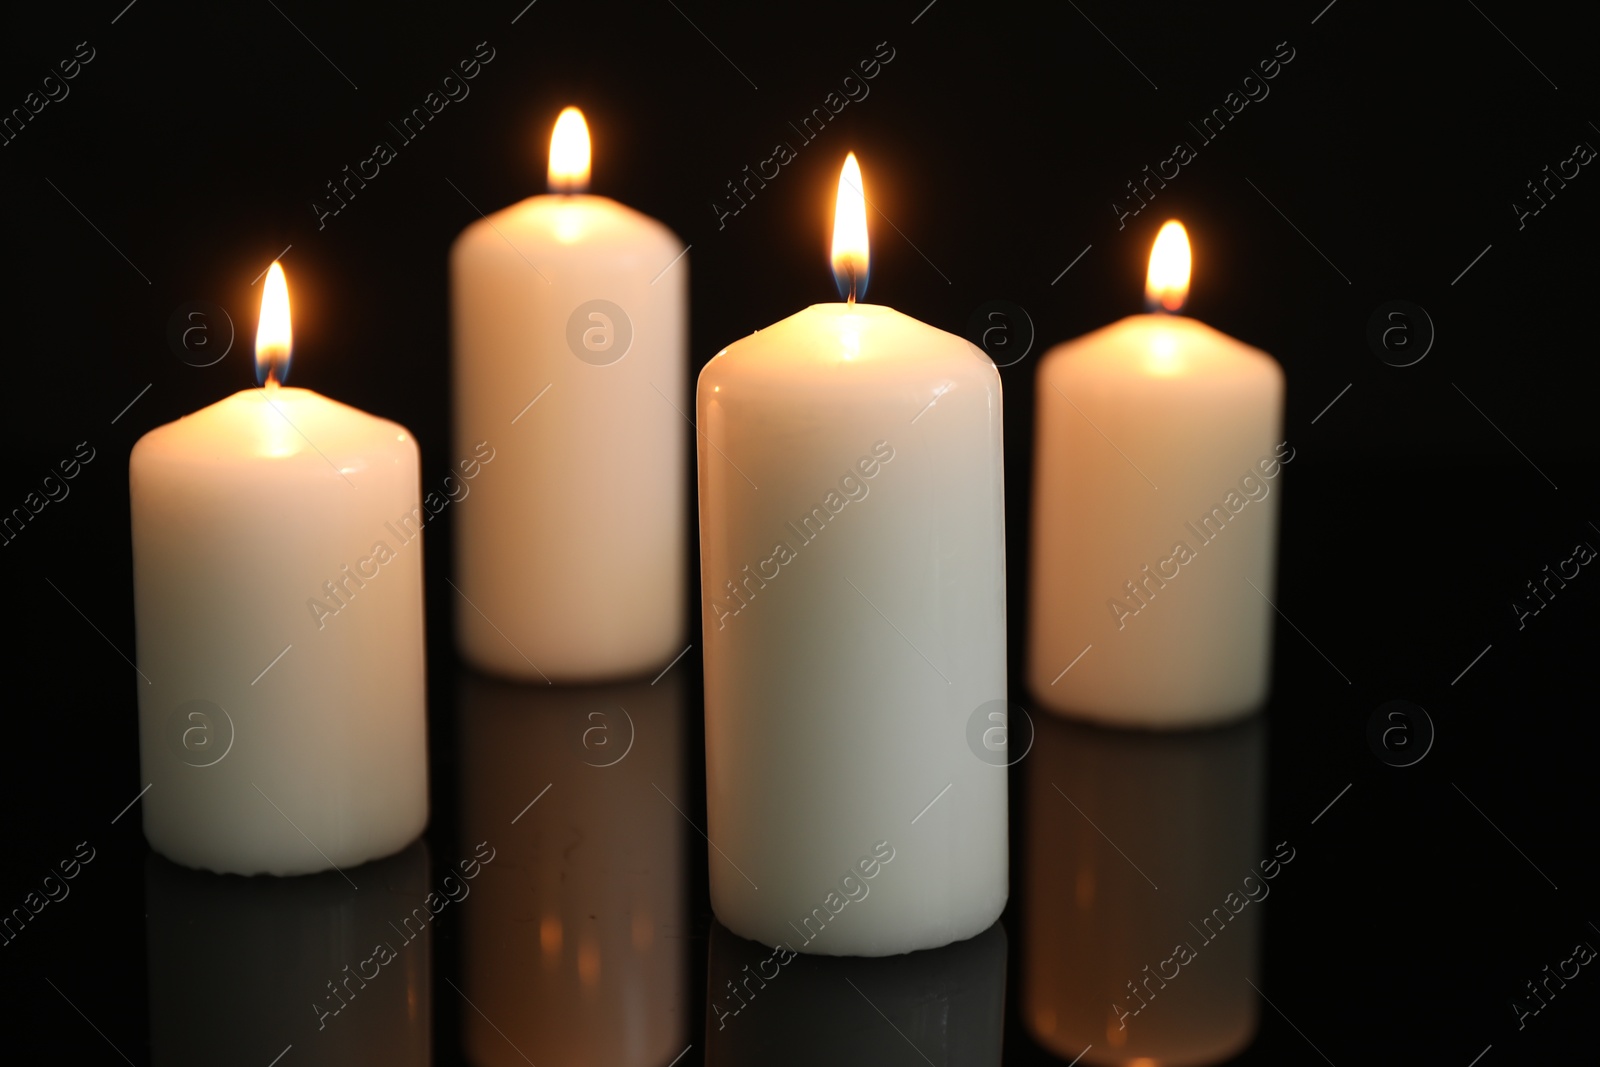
{"points": [[569, 153], [274, 335], [850, 258], [1167, 284]]}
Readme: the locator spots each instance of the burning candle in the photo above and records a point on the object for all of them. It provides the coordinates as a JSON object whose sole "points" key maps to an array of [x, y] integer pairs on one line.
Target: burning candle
{"points": [[852, 554], [277, 573], [1154, 516], [571, 361]]}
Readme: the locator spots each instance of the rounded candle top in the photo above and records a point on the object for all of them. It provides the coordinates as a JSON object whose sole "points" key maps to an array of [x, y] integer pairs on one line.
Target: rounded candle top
{"points": [[568, 215], [304, 434], [295, 429], [522, 231], [848, 353], [843, 354], [1160, 346]]}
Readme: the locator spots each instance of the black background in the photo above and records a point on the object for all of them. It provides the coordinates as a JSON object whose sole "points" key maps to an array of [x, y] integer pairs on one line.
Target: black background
{"points": [[191, 148]]}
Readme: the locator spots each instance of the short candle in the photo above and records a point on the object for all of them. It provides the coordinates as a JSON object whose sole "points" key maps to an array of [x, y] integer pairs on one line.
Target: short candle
{"points": [[278, 610], [1155, 516]]}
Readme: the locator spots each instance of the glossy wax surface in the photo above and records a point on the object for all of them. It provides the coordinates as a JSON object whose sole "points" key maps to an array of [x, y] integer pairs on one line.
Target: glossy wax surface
{"points": [[569, 326], [1149, 441], [853, 568], [281, 719]]}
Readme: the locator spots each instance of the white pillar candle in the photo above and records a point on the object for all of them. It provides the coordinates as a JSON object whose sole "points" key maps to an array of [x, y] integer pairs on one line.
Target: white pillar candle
{"points": [[853, 561], [277, 572], [577, 938], [1155, 516], [571, 359]]}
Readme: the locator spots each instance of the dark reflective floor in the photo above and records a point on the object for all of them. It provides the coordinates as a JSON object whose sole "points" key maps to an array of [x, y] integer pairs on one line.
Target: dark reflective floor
{"points": [[570, 890], [239, 964]]}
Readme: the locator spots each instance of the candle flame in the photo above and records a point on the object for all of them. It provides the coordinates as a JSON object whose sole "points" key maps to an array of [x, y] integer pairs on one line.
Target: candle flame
{"points": [[274, 336], [569, 153], [850, 232], [1167, 284]]}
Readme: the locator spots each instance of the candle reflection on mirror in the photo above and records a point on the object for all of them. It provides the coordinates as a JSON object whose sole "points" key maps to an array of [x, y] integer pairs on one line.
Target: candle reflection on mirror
{"points": [[576, 942], [770, 1008], [242, 968], [1112, 964]]}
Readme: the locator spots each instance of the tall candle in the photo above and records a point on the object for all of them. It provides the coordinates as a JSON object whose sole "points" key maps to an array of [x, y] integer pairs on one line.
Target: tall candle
{"points": [[1155, 516], [277, 575], [852, 555], [570, 358]]}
